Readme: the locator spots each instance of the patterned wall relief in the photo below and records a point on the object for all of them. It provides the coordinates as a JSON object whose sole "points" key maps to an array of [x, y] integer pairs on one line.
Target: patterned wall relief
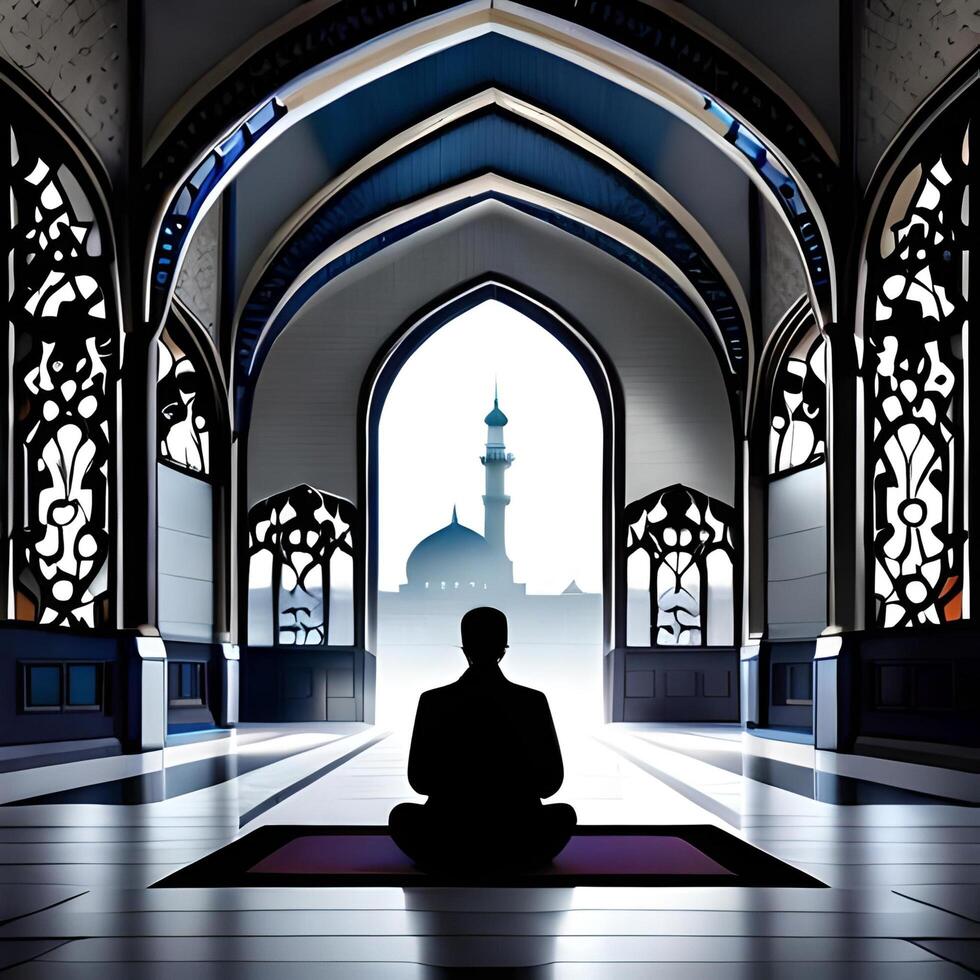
{"points": [[917, 308], [784, 279], [77, 52], [301, 569], [907, 48], [185, 406], [797, 421], [680, 557], [198, 283], [64, 371]]}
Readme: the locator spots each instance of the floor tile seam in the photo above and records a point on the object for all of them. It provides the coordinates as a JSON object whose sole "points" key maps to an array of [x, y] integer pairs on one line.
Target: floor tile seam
{"points": [[298, 785], [855, 826], [945, 959], [447, 910], [847, 840], [740, 778], [330, 937], [497, 936], [186, 755], [692, 752], [53, 905], [37, 957], [455, 910], [85, 864], [692, 794], [867, 863], [157, 843], [437, 963], [932, 905], [902, 864], [850, 913]]}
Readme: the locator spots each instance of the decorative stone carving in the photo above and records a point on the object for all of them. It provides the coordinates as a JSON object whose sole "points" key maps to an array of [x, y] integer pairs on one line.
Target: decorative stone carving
{"points": [[198, 285], [907, 48], [77, 52]]}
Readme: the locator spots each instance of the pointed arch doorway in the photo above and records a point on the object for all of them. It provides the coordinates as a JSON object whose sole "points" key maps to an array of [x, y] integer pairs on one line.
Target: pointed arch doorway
{"points": [[473, 500]]}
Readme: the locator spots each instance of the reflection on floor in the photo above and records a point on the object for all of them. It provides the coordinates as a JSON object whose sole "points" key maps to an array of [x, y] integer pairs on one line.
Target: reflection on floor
{"points": [[171, 781], [904, 900], [827, 787]]}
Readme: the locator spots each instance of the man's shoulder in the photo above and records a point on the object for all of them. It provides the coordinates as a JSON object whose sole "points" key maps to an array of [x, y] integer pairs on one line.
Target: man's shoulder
{"points": [[438, 693], [526, 693]]}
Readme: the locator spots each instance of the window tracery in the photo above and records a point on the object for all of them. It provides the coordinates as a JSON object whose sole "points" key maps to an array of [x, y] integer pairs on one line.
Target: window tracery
{"points": [[301, 554], [917, 310], [797, 428], [185, 407], [64, 372], [682, 553]]}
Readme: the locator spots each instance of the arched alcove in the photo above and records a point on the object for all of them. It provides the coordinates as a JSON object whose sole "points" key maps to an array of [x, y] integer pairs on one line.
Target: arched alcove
{"points": [[558, 640]]}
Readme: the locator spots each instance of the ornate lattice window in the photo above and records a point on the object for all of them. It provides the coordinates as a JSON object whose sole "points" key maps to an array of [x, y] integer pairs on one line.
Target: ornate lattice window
{"points": [[64, 374], [185, 406], [916, 311], [797, 420], [301, 570], [680, 564]]}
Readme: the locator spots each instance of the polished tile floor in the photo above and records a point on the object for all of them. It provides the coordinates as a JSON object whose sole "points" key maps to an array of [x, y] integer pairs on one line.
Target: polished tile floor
{"points": [[899, 850]]}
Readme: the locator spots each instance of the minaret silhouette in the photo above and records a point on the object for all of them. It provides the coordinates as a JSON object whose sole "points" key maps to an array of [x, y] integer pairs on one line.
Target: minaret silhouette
{"points": [[496, 462]]}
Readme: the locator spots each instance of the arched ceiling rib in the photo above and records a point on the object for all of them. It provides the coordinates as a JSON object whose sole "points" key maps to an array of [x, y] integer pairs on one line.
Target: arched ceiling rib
{"points": [[396, 226], [494, 133], [713, 189], [778, 175], [689, 26]]}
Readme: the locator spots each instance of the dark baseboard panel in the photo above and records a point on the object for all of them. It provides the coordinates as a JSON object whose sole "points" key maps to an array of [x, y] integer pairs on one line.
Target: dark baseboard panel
{"points": [[695, 684]]}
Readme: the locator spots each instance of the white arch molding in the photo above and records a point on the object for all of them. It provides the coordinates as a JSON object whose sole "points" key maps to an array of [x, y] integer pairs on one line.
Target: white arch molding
{"points": [[477, 187], [560, 128], [622, 66]]}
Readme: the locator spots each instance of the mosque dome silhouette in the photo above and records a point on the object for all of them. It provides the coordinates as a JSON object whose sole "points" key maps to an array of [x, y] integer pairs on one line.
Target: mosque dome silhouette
{"points": [[454, 553]]}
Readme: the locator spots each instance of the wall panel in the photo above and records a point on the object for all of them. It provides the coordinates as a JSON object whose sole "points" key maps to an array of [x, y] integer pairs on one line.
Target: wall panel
{"points": [[185, 556]]}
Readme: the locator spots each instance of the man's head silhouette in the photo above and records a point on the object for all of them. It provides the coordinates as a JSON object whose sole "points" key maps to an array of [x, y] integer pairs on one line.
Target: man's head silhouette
{"points": [[484, 634]]}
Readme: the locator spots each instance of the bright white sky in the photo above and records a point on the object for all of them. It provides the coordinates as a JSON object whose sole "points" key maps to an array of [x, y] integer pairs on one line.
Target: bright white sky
{"points": [[432, 435]]}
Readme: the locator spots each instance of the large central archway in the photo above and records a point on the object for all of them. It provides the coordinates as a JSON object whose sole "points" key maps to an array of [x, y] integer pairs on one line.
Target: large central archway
{"points": [[528, 622], [311, 417]]}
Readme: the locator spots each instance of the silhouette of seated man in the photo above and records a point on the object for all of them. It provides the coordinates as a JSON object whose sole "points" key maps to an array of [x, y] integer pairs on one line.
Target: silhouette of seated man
{"points": [[485, 752]]}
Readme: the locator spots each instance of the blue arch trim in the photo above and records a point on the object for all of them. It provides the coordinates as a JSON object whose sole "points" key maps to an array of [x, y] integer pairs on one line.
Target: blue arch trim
{"points": [[245, 381], [517, 66], [496, 141]]}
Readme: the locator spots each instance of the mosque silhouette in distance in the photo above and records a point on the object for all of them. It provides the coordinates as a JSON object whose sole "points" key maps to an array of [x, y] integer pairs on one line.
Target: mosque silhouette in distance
{"points": [[456, 568]]}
